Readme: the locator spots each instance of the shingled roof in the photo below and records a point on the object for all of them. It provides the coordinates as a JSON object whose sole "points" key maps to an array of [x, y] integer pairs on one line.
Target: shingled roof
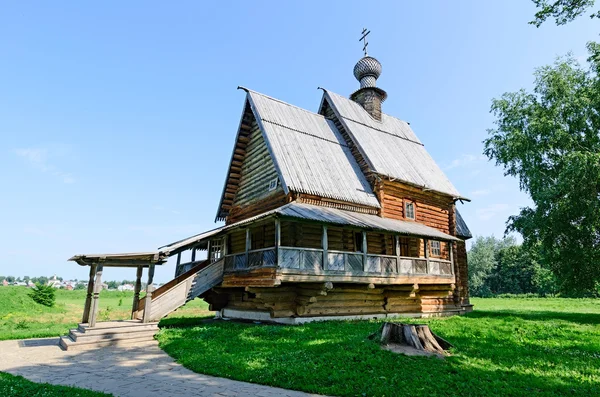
{"points": [[389, 146], [311, 155]]}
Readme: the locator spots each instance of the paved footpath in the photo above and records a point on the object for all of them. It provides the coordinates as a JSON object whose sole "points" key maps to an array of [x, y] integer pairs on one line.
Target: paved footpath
{"points": [[124, 371]]}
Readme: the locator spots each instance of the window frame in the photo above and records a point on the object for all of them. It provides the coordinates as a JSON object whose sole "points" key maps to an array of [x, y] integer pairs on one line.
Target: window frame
{"points": [[217, 248], [435, 245], [414, 210]]}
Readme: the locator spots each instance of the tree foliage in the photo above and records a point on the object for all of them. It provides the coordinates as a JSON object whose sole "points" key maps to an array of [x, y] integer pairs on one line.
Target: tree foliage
{"points": [[43, 294], [501, 266], [549, 139], [563, 11]]}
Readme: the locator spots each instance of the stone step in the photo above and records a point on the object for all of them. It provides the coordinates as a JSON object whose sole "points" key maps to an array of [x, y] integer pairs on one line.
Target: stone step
{"points": [[117, 327], [78, 336], [66, 343]]}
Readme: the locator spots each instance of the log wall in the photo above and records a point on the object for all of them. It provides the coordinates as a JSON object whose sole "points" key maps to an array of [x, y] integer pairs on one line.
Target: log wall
{"points": [[431, 209], [326, 299]]}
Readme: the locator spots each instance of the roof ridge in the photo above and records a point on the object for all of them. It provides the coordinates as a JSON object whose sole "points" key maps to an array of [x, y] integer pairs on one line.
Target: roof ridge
{"points": [[369, 126], [383, 131], [282, 102], [304, 132]]}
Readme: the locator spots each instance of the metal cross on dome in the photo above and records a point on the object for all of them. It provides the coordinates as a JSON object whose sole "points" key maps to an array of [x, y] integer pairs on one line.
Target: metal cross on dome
{"points": [[364, 33]]}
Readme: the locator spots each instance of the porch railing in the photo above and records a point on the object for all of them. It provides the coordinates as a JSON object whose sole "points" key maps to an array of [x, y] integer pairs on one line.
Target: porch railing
{"points": [[311, 260], [254, 259]]}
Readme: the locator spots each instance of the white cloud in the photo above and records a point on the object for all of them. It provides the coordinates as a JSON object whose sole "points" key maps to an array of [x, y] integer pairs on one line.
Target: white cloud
{"points": [[490, 211], [38, 159], [465, 160], [480, 192]]}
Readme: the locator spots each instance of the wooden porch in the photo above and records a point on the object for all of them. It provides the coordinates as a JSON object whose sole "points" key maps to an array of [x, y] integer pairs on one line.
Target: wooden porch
{"points": [[314, 253]]}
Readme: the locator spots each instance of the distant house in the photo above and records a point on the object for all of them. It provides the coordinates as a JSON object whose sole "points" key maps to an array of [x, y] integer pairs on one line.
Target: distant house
{"points": [[5, 283], [54, 282], [126, 287]]}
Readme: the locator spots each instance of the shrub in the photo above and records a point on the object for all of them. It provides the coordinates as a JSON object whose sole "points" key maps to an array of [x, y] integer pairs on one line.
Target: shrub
{"points": [[43, 294]]}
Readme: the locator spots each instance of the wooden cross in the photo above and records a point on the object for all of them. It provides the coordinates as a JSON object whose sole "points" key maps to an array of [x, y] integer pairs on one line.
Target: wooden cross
{"points": [[365, 33]]}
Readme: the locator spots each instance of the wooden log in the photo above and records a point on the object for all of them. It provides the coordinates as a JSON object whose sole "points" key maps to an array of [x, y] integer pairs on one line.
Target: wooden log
{"points": [[350, 303]]}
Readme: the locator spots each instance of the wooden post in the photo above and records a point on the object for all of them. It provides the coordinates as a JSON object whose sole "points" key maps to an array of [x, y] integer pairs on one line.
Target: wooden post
{"points": [[95, 303], [148, 298], [426, 247], [136, 290], [451, 247], [178, 265], [248, 245], [194, 253], [88, 297], [325, 245], [397, 241], [277, 240], [225, 243], [364, 250]]}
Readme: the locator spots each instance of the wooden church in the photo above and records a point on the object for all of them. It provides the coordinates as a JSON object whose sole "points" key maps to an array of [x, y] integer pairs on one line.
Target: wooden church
{"points": [[336, 214]]}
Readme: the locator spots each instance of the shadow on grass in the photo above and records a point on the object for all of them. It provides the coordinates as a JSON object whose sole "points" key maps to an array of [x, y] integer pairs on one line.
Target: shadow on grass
{"points": [[542, 315]]}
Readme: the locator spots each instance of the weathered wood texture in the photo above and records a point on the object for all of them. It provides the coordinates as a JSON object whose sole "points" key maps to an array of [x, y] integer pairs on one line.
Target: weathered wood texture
{"points": [[268, 203], [431, 209], [325, 202], [257, 171], [417, 336], [462, 274], [328, 112], [327, 299], [305, 235]]}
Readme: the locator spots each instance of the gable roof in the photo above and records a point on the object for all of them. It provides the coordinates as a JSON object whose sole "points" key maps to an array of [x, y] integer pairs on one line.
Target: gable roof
{"points": [[389, 146], [462, 230], [309, 153]]}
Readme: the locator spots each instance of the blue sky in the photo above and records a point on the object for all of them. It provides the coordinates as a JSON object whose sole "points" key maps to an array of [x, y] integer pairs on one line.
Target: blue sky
{"points": [[117, 119]]}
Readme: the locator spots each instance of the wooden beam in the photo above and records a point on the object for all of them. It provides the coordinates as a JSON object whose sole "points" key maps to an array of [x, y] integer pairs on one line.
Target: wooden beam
{"points": [[398, 253], [248, 243], [426, 248], [364, 250], [324, 245], [88, 297], [95, 303], [277, 240], [451, 249], [136, 290], [148, 298]]}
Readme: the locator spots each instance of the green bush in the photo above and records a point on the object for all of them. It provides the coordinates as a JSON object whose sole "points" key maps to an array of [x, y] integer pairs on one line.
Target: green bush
{"points": [[43, 294]]}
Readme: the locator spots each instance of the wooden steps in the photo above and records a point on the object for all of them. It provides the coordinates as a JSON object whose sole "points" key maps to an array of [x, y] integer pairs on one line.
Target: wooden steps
{"points": [[110, 333]]}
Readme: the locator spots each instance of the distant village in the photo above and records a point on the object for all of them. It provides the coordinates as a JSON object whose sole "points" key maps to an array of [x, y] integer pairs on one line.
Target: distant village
{"points": [[69, 285]]}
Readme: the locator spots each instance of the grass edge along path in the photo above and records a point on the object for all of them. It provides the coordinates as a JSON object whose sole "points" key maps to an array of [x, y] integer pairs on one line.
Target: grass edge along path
{"points": [[508, 347], [14, 385]]}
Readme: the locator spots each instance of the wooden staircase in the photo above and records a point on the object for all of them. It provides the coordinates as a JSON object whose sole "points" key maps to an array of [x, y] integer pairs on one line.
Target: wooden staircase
{"points": [[110, 333], [166, 299], [182, 289]]}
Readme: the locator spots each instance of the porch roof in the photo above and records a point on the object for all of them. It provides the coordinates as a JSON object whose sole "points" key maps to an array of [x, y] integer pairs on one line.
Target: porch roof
{"points": [[336, 216], [134, 259], [324, 215]]}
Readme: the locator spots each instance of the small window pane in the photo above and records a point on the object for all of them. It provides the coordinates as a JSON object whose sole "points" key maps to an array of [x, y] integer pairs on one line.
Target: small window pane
{"points": [[410, 210], [436, 248]]}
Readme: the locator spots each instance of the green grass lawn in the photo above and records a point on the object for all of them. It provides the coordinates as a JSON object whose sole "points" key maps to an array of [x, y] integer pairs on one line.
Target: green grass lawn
{"points": [[11, 385], [506, 347], [21, 317]]}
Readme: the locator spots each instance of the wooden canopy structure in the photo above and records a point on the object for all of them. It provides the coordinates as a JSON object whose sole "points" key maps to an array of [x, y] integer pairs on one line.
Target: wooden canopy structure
{"points": [[97, 262]]}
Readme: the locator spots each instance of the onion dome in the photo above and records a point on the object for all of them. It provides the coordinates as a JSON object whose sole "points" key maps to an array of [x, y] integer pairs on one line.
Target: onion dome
{"points": [[367, 70]]}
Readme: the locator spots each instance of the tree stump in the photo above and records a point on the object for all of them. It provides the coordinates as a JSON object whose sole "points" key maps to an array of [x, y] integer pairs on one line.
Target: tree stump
{"points": [[417, 336]]}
